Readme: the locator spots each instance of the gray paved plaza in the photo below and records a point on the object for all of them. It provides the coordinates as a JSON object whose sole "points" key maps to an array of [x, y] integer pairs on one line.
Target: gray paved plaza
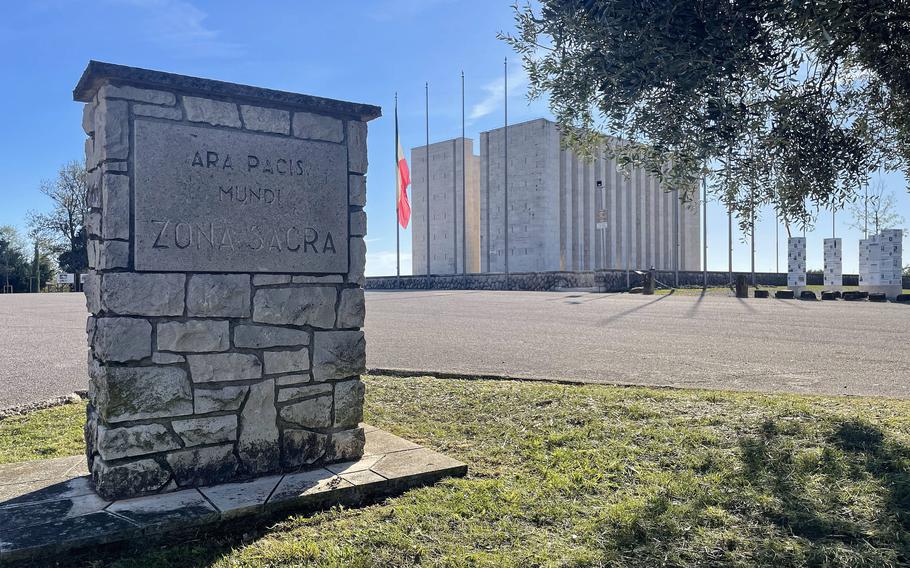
{"points": [[715, 342], [687, 341], [43, 347]]}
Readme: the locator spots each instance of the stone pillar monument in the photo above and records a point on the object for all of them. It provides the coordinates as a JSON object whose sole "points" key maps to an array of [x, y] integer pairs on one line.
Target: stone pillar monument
{"points": [[892, 261], [796, 263], [881, 263], [834, 270], [226, 254]]}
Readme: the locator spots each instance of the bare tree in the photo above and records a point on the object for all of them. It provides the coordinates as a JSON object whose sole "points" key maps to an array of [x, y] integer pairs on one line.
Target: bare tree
{"points": [[63, 224], [876, 211]]}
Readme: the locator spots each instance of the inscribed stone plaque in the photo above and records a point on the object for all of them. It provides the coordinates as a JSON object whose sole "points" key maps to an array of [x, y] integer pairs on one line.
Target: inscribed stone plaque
{"points": [[226, 201]]}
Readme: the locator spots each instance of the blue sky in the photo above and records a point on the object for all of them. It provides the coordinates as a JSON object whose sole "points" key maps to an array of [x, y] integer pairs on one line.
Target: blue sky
{"points": [[361, 51]]}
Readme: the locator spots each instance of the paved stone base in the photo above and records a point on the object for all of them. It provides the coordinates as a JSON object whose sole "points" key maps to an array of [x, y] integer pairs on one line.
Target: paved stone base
{"points": [[48, 506]]}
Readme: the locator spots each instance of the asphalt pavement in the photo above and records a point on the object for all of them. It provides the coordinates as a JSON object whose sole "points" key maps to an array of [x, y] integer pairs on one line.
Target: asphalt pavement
{"points": [[716, 342], [43, 348], [855, 348]]}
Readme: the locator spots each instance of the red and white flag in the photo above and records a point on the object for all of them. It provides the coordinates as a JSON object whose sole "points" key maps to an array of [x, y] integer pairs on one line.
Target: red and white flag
{"points": [[403, 180]]}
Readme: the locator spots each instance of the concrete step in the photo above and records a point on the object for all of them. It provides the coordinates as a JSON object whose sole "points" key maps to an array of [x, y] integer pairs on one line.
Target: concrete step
{"points": [[49, 507]]}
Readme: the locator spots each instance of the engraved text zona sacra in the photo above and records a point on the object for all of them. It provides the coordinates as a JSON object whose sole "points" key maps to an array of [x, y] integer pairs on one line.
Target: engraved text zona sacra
{"points": [[221, 237]]}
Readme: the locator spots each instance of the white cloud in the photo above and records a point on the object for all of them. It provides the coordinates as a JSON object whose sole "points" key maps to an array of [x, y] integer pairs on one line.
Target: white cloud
{"points": [[382, 263], [181, 26], [518, 83]]}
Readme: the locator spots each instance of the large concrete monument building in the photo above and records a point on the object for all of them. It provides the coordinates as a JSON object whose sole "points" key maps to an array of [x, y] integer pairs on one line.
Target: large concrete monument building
{"points": [[554, 199], [448, 220], [565, 212]]}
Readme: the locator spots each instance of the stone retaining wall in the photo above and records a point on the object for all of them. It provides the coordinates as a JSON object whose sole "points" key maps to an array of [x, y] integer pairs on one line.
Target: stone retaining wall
{"points": [[198, 378], [604, 281]]}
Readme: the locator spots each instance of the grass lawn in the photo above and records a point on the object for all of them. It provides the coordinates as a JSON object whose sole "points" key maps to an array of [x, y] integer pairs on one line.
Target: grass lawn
{"points": [[590, 476], [51, 433]]}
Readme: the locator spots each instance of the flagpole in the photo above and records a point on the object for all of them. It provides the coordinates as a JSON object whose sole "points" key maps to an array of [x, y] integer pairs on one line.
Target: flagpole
{"points": [[675, 240], [505, 146], [427, 115], [730, 243], [454, 207], [397, 205], [704, 207], [866, 209], [752, 235], [464, 191], [730, 222]]}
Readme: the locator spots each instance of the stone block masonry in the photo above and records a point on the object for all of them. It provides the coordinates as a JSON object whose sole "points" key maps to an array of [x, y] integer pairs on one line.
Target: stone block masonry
{"points": [[226, 255], [834, 268], [881, 263], [796, 262]]}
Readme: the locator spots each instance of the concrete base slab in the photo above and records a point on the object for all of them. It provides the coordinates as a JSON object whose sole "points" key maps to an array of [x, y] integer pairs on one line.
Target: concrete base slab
{"points": [[890, 292], [48, 507]]}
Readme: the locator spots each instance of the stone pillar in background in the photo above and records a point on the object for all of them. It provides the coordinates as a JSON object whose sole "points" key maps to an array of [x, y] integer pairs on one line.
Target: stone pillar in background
{"points": [[865, 270], [881, 263], [891, 261], [226, 248], [834, 269], [796, 263]]}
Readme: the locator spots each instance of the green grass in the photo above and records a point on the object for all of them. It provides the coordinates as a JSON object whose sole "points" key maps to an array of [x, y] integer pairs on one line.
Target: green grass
{"points": [[51, 433], [566, 475]]}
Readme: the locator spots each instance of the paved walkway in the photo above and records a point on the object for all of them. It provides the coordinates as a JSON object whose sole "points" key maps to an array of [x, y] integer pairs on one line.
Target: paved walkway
{"points": [[688, 341]]}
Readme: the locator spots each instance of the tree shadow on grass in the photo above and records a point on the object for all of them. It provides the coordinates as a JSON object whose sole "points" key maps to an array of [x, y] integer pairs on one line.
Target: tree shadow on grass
{"points": [[855, 454], [884, 459]]}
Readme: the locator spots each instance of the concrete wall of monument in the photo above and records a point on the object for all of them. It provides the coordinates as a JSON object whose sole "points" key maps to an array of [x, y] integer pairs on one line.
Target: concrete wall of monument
{"points": [[604, 280], [208, 362]]}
